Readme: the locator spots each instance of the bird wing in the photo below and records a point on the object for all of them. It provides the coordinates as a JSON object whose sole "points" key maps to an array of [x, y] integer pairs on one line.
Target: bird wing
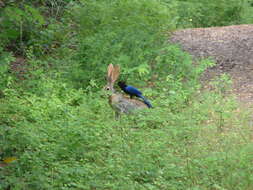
{"points": [[133, 90]]}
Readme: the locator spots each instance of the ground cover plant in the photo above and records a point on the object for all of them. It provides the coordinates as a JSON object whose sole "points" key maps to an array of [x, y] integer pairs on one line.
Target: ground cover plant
{"points": [[57, 130]]}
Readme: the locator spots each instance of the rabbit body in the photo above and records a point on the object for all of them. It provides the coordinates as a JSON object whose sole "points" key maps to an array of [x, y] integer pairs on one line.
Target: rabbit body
{"points": [[123, 104]]}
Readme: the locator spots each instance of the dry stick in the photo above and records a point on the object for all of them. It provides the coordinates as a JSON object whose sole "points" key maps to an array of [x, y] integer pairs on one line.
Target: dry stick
{"points": [[21, 32]]}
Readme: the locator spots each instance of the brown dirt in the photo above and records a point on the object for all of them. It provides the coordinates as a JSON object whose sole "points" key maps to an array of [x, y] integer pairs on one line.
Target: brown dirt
{"points": [[232, 49], [19, 67]]}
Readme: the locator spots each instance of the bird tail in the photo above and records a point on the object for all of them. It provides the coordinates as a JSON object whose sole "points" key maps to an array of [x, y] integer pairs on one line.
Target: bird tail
{"points": [[146, 101]]}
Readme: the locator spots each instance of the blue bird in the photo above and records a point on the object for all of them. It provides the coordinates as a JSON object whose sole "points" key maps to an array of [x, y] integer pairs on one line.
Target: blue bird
{"points": [[132, 91]]}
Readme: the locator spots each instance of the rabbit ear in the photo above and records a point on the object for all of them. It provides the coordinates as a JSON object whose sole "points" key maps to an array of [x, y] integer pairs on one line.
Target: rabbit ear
{"points": [[110, 73], [116, 72]]}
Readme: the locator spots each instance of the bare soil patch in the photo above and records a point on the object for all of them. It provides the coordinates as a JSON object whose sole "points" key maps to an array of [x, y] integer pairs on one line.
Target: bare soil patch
{"points": [[19, 67], [232, 49]]}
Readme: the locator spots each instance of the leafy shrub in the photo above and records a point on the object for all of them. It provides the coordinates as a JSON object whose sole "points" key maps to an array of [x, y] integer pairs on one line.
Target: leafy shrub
{"points": [[205, 13], [20, 25], [5, 74], [127, 33], [246, 15], [25, 26]]}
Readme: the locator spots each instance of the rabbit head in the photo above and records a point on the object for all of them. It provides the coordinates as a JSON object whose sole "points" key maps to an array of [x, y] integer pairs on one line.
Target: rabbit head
{"points": [[112, 76]]}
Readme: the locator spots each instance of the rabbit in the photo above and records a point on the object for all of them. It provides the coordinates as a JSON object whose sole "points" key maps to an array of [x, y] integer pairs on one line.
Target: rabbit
{"points": [[119, 102]]}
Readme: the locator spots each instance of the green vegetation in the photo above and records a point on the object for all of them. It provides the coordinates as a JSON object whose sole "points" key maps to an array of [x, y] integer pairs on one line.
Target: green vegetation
{"points": [[57, 123]]}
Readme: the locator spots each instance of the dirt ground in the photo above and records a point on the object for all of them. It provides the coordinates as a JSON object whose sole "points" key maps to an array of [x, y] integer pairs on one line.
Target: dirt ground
{"points": [[231, 47]]}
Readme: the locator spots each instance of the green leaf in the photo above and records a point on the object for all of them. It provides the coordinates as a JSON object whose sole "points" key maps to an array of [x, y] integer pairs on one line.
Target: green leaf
{"points": [[35, 14]]}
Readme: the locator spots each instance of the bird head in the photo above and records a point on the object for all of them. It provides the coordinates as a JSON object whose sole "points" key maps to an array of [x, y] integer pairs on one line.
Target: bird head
{"points": [[122, 84]]}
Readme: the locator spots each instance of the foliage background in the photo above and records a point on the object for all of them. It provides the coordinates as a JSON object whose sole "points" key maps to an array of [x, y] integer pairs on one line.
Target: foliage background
{"points": [[57, 124]]}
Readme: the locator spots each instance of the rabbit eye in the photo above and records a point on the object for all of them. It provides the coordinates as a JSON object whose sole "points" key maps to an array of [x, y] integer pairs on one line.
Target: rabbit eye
{"points": [[107, 88]]}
